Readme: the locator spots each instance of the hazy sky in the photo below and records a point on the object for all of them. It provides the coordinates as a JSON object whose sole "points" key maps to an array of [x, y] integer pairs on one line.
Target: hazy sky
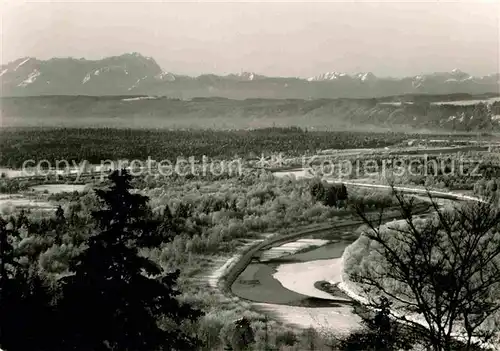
{"points": [[280, 38]]}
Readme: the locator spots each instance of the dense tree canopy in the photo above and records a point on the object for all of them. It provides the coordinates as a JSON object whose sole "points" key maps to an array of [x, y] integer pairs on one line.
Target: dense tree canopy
{"points": [[96, 145], [111, 297]]}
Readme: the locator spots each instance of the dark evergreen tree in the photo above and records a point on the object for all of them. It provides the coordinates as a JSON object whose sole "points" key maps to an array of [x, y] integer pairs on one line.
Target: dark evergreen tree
{"points": [[6, 256], [27, 316], [330, 197], [116, 297], [59, 224], [60, 214], [342, 192], [20, 220], [26, 313], [240, 336], [317, 190]]}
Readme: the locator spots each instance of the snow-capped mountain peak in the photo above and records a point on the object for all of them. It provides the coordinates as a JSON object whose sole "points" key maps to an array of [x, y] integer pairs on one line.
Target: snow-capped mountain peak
{"points": [[328, 76], [364, 76], [110, 75], [247, 75], [241, 76], [166, 76], [30, 79], [22, 62], [133, 73]]}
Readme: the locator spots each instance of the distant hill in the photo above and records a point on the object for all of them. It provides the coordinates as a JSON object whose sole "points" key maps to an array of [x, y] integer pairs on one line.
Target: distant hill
{"points": [[415, 112], [134, 74]]}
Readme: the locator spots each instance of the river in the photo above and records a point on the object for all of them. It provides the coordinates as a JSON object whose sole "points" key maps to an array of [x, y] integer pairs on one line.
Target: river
{"points": [[286, 287]]}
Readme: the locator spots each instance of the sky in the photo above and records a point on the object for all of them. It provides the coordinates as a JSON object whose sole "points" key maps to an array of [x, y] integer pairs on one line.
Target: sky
{"points": [[289, 38]]}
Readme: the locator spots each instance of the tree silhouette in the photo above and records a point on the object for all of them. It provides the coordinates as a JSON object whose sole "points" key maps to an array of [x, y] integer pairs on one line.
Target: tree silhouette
{"points": [[317, 189], [6, 255], [60, 214], [240, 335], [445, 269], [330, 196], [59, 224], [116, 298], [25, 301]]}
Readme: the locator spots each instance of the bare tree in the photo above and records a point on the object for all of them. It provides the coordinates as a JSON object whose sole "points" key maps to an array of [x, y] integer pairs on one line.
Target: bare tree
{"points": [[443, 270]]}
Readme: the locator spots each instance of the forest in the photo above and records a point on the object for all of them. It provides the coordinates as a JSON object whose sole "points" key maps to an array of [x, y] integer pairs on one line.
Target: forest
{"points": [[173, 231], [176, 231], [97, 144], [402, 113], [167, 233]]}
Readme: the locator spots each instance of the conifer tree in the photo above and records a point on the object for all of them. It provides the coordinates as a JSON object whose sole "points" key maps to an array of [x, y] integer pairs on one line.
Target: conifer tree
{"points": [[116, 297], [25, 302]]}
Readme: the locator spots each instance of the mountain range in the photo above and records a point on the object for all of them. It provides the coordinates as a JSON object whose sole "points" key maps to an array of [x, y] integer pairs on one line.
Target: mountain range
{"points": [[135, 74]]}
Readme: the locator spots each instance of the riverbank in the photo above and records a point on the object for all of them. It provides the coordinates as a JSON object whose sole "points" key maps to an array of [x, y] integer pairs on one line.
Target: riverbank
{"points": [[314, 309], [351, 258]]}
